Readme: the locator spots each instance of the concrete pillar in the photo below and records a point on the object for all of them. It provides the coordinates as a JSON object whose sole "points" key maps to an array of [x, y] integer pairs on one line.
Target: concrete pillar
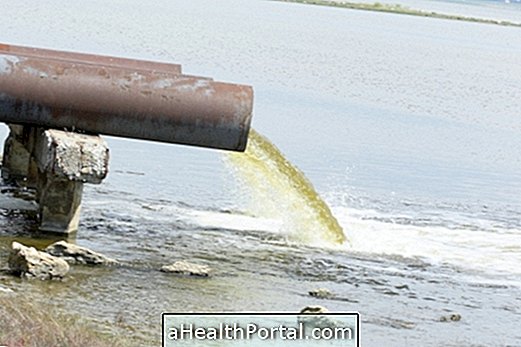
{"points": [[65, 161], [57, 164], [59, 204], [15, 163]]}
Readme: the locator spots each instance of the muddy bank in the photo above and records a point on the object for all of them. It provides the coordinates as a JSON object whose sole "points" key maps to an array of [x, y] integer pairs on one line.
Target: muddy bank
{"points": [[399, 9]]}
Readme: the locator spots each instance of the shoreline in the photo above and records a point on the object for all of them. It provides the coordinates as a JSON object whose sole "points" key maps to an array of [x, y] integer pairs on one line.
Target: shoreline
{"points": [[24, 323], [399, 9]]}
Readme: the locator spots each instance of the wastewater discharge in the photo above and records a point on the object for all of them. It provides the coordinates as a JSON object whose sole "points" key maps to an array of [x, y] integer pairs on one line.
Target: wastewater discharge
{"points": [[279, 190]]}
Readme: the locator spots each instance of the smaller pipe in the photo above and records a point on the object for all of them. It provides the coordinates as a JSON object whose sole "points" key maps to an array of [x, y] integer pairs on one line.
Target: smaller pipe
{"points": [[91, 58]]}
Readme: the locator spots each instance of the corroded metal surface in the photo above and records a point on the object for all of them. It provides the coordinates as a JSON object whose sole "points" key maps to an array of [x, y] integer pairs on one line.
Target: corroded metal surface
{"points": [[90, 58], [123, 101]]}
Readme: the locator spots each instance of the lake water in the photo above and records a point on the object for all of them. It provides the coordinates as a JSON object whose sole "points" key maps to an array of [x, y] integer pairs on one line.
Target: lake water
{"points": [[408, 127]]}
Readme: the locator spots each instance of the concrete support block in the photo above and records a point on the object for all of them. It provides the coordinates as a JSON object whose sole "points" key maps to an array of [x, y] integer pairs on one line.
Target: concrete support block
{"points": [[64, 162], [71, 156], [15, 163], [57, 164], [60, 204]]}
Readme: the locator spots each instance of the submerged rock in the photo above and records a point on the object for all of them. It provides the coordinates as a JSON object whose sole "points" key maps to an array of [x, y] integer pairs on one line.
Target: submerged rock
{"points": [[454, 317], [74, 254], [186, 268], [30, 263], [394, 323], [321, 293]]}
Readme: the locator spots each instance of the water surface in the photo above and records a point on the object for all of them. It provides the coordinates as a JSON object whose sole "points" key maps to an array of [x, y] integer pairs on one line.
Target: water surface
{"points": [[407, 126]]}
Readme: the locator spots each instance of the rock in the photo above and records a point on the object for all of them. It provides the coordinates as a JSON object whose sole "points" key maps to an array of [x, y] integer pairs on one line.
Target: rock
{"points": [[74, 254], [186, 268], [314, 317], [30, 263], [316, 309], [321, 293], [454, 317]]}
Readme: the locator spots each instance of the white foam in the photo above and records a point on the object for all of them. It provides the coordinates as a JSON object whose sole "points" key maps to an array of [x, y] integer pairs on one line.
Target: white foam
{"points": [[231, 221], [5, 290], [492, 251]]}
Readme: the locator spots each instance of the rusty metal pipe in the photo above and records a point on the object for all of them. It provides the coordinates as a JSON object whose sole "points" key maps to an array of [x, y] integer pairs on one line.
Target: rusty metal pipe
{"points": [[152, 68], [123, 101], [90, 58]]}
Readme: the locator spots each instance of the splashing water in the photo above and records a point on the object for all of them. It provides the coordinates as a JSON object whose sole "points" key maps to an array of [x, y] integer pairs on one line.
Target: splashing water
{"points": [[280, 190]]}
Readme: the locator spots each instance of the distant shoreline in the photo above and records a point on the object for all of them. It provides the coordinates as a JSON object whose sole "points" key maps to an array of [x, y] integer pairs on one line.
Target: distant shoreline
{"points": [[399, 9]]}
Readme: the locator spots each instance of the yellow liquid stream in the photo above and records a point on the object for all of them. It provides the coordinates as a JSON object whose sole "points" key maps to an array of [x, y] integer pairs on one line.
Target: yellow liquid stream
{"points": [[279, 190]]}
